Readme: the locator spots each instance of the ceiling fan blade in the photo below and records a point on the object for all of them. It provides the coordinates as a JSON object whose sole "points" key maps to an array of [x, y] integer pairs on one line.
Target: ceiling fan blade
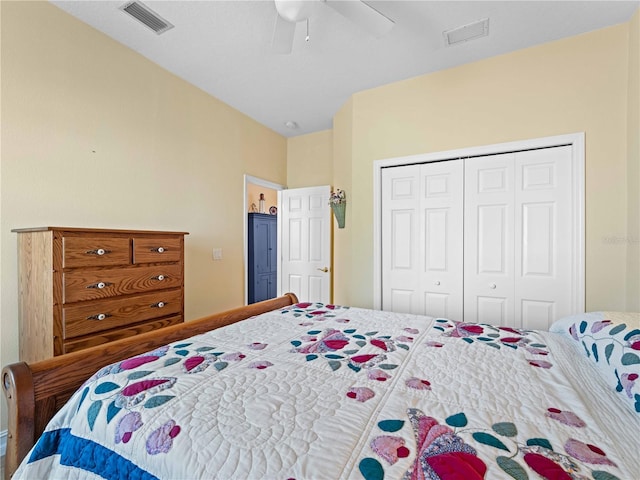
{"points": [[363, 15], [283, 36]]}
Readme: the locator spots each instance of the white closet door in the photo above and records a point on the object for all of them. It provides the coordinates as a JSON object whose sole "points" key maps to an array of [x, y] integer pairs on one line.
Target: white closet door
{"points": [[543, 237], [422, 230], [441, 238], [489, 239], [400, 230], [518, 238]]}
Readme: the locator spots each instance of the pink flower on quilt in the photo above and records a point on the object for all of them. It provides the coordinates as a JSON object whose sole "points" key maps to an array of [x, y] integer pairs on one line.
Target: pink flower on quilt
{"points": [[303, 305], [233, 357], [546, 467], [540, 363], [361, 394], [390, 448], [510, 330], [463, 330], [586, 452], [535, 350], [573, 332], [628, 380], [161, 440], [257, 346], [367, 361], [384, 344], [136, 392], [128, 424], [198, 363], [633, 342], [404, 339], [566, 417], [260, 365], [597, 326], [441, 453], [431, 343], [378, 374], [418, 383], [342, 320], [331, 341], [413, 331], [135, 362]]}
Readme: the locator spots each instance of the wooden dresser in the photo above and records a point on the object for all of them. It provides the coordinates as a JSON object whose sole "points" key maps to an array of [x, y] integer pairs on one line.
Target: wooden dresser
{"points": [[83, 287]]}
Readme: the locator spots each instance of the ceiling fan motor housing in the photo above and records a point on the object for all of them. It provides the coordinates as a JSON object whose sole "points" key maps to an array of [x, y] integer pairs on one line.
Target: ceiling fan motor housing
{"points": [[295, 10]]}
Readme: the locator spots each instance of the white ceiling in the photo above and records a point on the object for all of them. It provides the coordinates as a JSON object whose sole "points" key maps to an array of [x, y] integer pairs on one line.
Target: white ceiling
{"points": [[224, 47]]}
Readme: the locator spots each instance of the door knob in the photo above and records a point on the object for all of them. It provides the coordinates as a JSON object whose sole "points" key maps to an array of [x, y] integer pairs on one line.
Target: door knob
{"points": [[325, 269]]}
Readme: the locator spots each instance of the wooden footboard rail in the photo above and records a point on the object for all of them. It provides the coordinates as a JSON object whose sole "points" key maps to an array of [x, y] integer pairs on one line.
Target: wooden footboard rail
{"points": [[36, 392]]}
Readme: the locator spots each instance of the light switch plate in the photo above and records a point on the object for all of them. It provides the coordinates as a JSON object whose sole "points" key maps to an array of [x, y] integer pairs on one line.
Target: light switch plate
{"points": [[217, 254]]}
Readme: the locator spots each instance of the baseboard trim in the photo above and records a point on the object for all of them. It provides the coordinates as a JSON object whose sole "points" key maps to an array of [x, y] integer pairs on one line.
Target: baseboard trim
{"points": [[3, 443]]}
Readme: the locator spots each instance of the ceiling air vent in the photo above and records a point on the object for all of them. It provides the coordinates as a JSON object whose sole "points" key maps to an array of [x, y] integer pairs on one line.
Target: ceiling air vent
{"points": [[467, 32], [147, 17]]}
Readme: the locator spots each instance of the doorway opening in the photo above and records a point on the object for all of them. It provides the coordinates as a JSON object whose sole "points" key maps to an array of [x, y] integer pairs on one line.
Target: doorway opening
{"points": [[253, 188]]}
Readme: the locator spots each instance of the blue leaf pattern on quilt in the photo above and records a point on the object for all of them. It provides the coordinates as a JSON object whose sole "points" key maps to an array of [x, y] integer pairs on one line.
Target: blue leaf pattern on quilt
{"points": [[87, 455]]}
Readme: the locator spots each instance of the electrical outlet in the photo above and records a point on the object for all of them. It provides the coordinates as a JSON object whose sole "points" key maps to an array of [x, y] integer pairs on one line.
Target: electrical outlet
{"points": [[217, 254]]}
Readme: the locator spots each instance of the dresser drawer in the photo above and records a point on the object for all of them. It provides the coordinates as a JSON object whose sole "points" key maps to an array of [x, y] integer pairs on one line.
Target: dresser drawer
{"points": [[92, 317], [81, 285], [158, 249], [111, 335], [95, 251]]}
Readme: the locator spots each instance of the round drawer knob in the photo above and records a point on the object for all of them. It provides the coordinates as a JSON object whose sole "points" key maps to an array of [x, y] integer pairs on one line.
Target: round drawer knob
{"points": [[160, 304], [437, 282], [160, 278], [492, 286], [101, 285], [101, 316], [101, 251], [160, 249]]}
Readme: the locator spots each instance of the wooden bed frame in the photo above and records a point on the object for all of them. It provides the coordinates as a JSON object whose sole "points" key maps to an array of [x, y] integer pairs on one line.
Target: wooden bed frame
{"points": [[37, 391]]}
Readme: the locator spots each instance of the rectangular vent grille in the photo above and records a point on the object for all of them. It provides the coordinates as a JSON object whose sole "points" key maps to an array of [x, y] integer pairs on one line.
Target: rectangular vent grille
{"points": [[147, 17], [467, 32]]}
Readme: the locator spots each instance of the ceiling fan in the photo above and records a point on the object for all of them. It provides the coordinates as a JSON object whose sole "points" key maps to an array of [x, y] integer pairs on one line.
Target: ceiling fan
{"points": [[291, 12]]}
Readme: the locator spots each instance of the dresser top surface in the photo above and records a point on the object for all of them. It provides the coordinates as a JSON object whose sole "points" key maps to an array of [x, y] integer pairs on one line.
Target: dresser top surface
{"points": [[95, 230]]}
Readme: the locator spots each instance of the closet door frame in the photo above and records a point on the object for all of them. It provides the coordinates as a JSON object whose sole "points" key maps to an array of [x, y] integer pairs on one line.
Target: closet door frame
{"points": [[575, 140]]}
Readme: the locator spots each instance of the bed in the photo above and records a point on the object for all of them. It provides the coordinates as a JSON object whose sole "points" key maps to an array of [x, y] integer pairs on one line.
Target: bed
{"points": [[311, 391]]}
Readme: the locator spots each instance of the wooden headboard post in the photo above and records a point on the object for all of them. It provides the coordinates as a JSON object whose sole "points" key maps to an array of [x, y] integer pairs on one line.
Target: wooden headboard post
{"points": [[17, 384], [35, 392]]}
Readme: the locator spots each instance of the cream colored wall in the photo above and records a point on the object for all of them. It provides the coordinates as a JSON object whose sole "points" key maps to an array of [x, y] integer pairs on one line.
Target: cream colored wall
{"points": [[309, 160], [94, 135], [633, 167], [344, 272], [577, 84]]}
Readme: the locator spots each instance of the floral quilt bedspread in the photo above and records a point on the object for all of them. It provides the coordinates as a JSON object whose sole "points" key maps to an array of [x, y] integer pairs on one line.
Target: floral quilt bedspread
{"points": [[319, 391]]}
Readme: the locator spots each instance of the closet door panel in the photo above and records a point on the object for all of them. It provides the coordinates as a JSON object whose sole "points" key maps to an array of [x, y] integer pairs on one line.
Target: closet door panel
{"points": [[543, 236], [441, 238], [400, 229], [489, 239]]}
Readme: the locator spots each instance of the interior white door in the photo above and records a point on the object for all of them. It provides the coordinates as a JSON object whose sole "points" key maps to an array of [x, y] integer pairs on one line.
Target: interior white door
{"points": [[442, 239], [489, 239], [422, 228], [543, 237], [400, 232], [518, 238], [304, 219]]}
